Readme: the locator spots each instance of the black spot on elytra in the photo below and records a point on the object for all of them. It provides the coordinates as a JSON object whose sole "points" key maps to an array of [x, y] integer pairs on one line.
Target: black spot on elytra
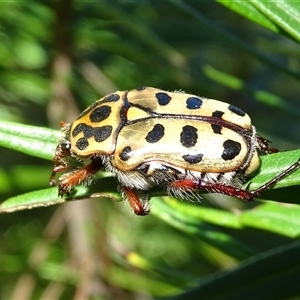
{"points": [[157, 132], [193, 103], [216, 128], [141, 88], [236, 110], [188, 136], [82, 143], [100, 113], [111, 98], [125, 153], [192, 158], [163, 98], [102, 133], [231, 149], [218, 114]]}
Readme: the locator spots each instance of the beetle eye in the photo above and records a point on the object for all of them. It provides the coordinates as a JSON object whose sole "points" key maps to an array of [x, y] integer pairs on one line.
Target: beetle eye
{"points": [[65, 147]]}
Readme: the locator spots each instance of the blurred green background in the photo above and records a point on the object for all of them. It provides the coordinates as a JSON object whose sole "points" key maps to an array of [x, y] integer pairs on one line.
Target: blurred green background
{"points": [[57, 58]]}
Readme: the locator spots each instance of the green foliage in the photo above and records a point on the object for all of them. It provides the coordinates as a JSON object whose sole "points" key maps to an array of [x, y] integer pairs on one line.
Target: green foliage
{"points": [[56, 59]]}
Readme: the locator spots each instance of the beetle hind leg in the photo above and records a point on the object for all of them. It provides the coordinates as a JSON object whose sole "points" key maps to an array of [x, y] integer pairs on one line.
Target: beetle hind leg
{"points": [[276, 179], [227, 189], [211, 187]]}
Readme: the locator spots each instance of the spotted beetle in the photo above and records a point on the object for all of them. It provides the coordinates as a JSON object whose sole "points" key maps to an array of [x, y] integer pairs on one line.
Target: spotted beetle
{"points": [[148, 137]]}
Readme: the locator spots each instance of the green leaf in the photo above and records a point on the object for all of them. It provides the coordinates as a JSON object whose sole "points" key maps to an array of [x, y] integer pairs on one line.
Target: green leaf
{"points": [[30, 54], [49, 196], [285, 14], [199, 213], [5, 183], [27, 85], [237, 42], [31, 140], [274, 217], [247, 9], [273, 165], [31, 200], [193, 225], [261, 277], [278, 16], [139, 282], [260, 95], [269, 216]]}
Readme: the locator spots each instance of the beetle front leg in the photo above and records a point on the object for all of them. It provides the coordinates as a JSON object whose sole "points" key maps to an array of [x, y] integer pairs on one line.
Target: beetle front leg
{"points": [[68, 180], [62, 166]]}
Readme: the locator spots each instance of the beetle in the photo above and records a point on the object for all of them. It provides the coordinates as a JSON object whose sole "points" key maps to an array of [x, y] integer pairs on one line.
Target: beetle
{"points": [[148, 137]]}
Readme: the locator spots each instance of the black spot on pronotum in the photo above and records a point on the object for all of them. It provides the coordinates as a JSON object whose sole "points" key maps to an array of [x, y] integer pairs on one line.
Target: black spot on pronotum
{"points": [[125, 153], [163, 98], [231, 149], [100, 113], [155, 134], [193, 103], [82, 143], [99, 133], [102, 133], [192, 158], [87, 130], [188, 136], [236, 110], [111, 98]]}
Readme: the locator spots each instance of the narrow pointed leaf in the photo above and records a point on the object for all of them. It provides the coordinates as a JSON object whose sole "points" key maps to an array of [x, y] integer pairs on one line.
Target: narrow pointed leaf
{"points": [[274, 217], [270, 275], [31, 140], [285, 14]]}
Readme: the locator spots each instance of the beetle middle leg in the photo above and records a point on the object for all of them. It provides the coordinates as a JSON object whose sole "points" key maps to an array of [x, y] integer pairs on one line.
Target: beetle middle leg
{"points": [[135, 202]]}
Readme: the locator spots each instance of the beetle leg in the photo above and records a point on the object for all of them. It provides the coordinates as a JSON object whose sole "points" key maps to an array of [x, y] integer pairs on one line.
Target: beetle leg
{"points": [[62, 151], [212, 187], [69, 180], [135, 202], [264, 145], [59, 167], [215, 187], [274, 180]]}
